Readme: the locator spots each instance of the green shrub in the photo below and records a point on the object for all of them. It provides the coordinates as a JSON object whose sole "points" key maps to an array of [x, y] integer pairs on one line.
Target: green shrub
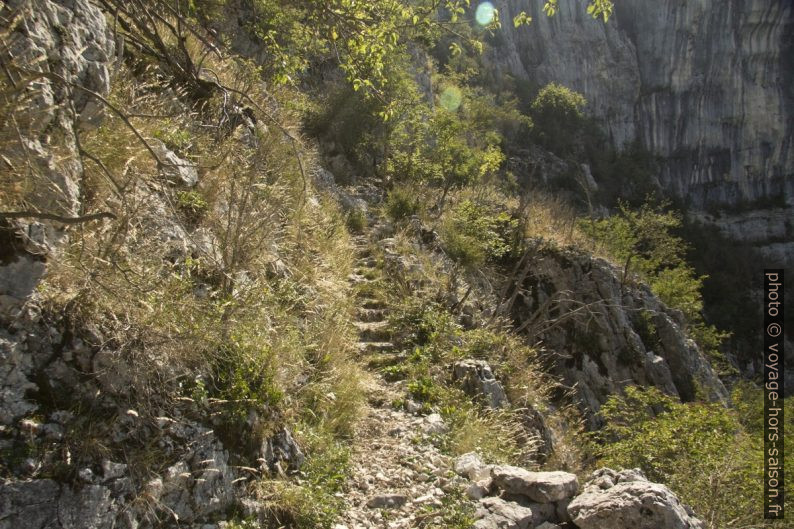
{"points": [[317, 501], [401, 203], [643, 242], [473, 234], [706, 453], [192, 204], [421, 323], [424, 389], [176, 139], [356, 221], [557, 114]]}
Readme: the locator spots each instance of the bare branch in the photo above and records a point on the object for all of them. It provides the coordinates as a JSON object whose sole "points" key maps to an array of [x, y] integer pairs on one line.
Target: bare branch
{"points": [[57, 218]]}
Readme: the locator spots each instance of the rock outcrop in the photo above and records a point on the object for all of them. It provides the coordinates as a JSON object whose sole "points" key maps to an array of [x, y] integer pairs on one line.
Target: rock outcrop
{"points": [[516, 498], [603, 332], [703, 84], [477, 380], [69, 41], [628, 500]]}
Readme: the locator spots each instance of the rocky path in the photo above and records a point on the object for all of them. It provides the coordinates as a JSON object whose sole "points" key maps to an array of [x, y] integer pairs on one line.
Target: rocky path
{"points": [[401, 480], [398, 476]]}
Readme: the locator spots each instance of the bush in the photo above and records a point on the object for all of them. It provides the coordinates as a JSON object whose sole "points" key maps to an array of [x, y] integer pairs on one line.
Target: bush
{"points": [[473, 234], [643, 241], [356, 221], [706, 453], [557, 114], [191, 204], [401, 203], [315, 502]]}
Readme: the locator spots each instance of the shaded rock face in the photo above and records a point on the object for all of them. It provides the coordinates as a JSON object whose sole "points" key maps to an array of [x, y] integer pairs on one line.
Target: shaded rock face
{"points": [[602, 334], [770, 230], [70, 39], [703, 84]]}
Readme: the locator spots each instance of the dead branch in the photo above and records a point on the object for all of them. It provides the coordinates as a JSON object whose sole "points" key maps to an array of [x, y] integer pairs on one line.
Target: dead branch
{"points": [[57, 218]]}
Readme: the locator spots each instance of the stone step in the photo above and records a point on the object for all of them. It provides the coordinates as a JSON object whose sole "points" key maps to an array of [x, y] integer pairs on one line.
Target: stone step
{"points": [[357, 279], [373, 331], [366, 262], [370, 315], [370, 303], [366, 273], [378, 362], [375, 347]]}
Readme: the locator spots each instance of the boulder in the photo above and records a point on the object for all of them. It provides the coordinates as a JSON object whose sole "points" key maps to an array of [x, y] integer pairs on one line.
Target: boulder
{"points": [[387, 501], [471, 466], [540, 487], [434, 424], [496, 513], [282, 447], [631, 503], [175, 169]]}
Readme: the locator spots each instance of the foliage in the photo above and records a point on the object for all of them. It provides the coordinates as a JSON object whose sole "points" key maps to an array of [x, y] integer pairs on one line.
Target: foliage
{"points": [[473, 234], [365, 37], [444, 149], [455, 512], [557, 114], [729, 289], [627, 174], [192, 204], [317, 501], [709, 455], [356, 220], [643, 240], [596, 8], [401, 203], [421, 323]]}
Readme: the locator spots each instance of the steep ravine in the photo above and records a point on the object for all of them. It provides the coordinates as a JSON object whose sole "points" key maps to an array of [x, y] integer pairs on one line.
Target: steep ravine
{"points": [[704, 85]]}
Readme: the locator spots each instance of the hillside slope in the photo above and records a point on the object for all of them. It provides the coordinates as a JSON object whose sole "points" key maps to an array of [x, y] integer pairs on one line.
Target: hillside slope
{"points": [[253, 274]]}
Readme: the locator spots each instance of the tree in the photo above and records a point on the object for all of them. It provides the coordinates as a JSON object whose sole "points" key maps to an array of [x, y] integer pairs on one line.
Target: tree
{"points": [[557, 114]]}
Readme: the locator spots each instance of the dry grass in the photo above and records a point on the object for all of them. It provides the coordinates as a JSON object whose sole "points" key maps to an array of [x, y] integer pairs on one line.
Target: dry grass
{"points": [[242, 299]]}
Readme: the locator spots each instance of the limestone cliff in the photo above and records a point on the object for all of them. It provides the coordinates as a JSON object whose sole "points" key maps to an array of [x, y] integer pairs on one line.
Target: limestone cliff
{"points": [[705, 85]]}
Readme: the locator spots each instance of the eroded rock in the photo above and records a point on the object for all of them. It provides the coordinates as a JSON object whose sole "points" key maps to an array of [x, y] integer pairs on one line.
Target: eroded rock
{"points": [[631, 503], [477, 379], [496, 513], [540, 487]]}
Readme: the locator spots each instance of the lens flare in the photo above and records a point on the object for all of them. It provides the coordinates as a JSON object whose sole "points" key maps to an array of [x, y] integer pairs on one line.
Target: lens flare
{"points": [[450, 98], [485, 13]]}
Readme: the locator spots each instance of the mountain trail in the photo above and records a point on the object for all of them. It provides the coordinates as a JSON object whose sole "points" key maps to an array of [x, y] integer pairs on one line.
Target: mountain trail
{"points": [[398, 476]]}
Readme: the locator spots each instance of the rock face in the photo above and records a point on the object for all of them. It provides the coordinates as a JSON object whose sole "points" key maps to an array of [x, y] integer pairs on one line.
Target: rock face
{"points": [[703, 84], [70, 40], [628, 500], [478, 380], [602, 332], [539, 487]]}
